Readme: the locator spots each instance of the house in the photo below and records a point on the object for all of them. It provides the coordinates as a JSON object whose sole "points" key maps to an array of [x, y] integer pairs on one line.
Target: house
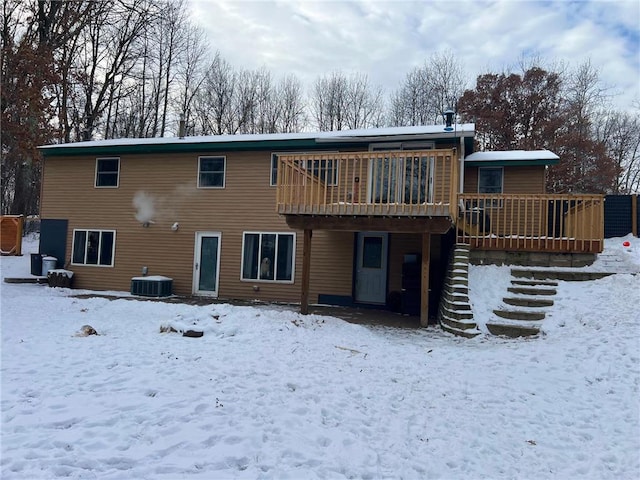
{"points": [[361, 217]]}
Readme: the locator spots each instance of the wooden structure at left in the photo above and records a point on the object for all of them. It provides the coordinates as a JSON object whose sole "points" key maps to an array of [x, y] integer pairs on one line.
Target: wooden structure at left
{"points": [[11, 234], [349, 218]]}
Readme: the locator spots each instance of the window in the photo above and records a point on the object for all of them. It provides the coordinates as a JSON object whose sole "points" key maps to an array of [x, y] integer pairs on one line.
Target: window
{"points": [[93, 247], [268, 256], [323, 168], [107, 172], [372, 252], [397, 178], [326, 169], [402, 179], [274, 169], [211, 172], [490, 180]]}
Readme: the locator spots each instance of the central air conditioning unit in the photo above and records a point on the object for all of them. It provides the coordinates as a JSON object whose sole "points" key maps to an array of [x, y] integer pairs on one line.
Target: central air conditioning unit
{"points": [[153, 286]]}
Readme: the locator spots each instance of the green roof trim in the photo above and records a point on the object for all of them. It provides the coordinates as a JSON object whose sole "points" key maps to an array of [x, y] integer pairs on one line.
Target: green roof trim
{"points": [[206, 147], [301, 141], [76, 151]]}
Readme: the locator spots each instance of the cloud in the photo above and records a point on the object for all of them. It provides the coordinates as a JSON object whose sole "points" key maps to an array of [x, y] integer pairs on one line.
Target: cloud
{"points": [[387, 39]]}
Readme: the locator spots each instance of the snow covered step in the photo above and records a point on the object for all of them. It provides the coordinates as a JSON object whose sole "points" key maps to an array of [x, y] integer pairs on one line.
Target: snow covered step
{"points": [[532, 291], [533, 283], [567, 275], [460, 289], [450, 326], [519, 315], [512, 330], [527, 302], [457, 314], [456, 301]]}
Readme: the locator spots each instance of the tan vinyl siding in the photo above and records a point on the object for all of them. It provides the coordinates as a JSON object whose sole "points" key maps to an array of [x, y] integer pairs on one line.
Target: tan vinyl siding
{"points": [[247, 203], [332, 256], [526, 179], [516, 180]]}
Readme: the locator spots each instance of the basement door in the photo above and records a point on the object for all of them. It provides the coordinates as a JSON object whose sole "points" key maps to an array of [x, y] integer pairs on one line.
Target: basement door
{"points": [[206, 267], [371, 267]]}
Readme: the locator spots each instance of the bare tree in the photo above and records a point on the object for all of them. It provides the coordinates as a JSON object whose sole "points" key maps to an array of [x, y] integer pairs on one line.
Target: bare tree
{"points": [[328, 102], [214, 101], [620, 132], [108, 53], [339, 102], [586, 165], [363, 103], [26, 78], [410, 103], [292, 109], [190, 71], [428, 91]]}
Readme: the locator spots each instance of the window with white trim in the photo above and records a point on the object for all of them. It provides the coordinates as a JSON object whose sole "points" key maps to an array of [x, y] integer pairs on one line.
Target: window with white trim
{"points": [[326, 169], [211, 172], [268, 256], [107, 172], [93, 247]]}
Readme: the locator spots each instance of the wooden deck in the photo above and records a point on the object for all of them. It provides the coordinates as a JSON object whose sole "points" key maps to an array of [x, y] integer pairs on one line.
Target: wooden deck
{"points": [[416, 191], [416, 183], [532, 223]]}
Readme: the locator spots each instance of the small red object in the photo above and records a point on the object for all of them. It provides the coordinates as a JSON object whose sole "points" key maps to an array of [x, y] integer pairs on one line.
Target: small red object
{"points": [[626, 243]]}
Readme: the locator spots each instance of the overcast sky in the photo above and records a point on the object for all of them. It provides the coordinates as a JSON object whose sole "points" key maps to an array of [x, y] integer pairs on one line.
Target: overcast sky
{"points": [[386, 39]]}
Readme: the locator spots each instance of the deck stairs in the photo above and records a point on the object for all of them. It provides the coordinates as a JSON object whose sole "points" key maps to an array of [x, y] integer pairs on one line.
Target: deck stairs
{"points": [[455, 314]]}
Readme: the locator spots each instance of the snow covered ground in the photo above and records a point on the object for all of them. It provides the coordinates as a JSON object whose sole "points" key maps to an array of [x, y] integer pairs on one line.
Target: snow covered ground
{"points": [[267, 393]]}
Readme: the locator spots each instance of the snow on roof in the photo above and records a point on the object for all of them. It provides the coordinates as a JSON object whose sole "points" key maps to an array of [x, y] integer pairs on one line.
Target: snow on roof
{"points": [[430, 131], [508, 155]]}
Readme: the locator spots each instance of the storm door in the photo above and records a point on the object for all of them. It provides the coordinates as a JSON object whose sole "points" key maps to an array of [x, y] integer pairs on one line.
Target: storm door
{"points": [[371, 268], [206, 267]]}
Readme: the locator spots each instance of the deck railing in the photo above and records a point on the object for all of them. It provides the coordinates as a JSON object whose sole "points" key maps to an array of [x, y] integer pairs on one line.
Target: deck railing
{"points": [[535, 223], [382, 183]]}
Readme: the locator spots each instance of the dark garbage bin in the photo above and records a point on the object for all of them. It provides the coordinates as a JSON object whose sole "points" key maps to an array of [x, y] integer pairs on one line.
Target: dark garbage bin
{"points": [[36, 264]]}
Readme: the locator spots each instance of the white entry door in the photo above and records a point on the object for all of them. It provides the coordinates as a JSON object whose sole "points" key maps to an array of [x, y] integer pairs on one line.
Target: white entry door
{"points": [[206, 265], [371, 267]]}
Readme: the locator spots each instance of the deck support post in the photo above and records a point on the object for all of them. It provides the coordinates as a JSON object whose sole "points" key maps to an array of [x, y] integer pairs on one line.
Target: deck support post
{"points": [[306, 274], [424, 294]]}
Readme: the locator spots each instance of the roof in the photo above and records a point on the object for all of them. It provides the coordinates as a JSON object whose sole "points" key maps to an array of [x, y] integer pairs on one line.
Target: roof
{"points": [[258, 141], [511, 157]]}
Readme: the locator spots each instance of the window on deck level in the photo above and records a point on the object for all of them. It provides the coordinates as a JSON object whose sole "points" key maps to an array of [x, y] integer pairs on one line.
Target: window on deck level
{"points": [[490, 179], [326, 169]]}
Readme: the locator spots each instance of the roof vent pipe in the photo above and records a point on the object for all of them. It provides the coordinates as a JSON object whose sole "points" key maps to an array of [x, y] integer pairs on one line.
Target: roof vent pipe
{"points": [[181, 126]]}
